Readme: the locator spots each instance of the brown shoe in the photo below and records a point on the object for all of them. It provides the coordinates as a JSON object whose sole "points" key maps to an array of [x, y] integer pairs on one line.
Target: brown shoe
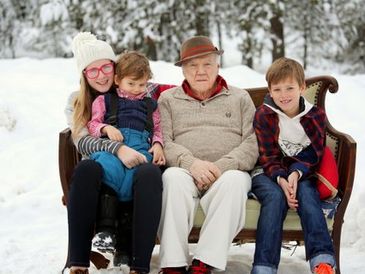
{"points": [[79, 271]]}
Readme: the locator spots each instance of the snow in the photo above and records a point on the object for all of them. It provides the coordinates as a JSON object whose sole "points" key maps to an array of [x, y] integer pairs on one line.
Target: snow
{"points": [[33, 221], [53, 12]]}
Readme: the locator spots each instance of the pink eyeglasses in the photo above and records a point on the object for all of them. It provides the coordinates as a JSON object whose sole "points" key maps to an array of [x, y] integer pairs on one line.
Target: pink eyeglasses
{"points": [[93, 73]]}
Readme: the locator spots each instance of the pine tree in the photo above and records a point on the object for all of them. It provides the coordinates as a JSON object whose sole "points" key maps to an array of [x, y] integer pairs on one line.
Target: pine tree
{"points": [[307, 24], [8, 13], [351, 17], [54, 21], [277, 28], [249, 22]]}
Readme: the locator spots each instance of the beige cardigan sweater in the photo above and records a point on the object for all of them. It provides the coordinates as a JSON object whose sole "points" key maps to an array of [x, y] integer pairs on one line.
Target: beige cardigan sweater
{"points": [[218, 129]]}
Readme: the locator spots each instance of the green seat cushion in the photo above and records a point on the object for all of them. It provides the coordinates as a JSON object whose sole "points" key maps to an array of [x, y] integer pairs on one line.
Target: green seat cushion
{"points": [[292, 221]]}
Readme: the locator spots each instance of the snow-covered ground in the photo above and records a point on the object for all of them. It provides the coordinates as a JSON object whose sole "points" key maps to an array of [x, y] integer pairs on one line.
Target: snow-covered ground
{"points": [[33, 222]]}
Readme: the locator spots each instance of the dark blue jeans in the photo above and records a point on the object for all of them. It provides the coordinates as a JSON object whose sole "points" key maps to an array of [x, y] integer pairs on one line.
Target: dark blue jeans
{"points": [[318, 243]]}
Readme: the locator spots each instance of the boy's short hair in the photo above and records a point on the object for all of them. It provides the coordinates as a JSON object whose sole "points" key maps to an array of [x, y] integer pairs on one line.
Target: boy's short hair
{"points": [[284, 68], [133, 64]]}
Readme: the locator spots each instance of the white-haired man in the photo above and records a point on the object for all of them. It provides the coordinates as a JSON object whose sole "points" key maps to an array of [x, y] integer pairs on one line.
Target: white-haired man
{"points": [[210, 145]]}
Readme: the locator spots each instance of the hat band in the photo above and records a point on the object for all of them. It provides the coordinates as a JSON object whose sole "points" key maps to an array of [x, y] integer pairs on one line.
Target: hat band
{"points": [[197, 50]]}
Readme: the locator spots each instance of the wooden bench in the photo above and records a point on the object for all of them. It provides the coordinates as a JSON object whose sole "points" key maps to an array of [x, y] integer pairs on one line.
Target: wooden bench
{"points": [[341, 144]]}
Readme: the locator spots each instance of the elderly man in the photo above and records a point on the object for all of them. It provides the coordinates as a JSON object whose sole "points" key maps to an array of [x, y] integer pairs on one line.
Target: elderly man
{"points": [[209, 145]]}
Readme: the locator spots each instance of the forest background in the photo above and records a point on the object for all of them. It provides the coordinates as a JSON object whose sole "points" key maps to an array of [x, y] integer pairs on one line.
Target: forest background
{"points": [[328, 34]]}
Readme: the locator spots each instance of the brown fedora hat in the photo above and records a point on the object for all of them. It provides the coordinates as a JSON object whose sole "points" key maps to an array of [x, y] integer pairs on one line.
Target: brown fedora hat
{"points": [[195, 47]]}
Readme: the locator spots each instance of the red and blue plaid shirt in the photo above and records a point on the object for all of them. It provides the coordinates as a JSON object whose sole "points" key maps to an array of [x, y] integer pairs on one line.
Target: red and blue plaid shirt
{"points": [[271, 158], [154, 89]]}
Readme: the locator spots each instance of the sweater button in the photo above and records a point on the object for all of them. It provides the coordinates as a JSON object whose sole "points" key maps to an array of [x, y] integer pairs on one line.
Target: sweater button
{"points": [[203, 104], [228, 114]]}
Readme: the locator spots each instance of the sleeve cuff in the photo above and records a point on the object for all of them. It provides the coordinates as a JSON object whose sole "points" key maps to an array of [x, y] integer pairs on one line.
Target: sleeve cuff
{"points": [[225, 164], [277, 174], [186, 161], [301, 168], [117, 146]]}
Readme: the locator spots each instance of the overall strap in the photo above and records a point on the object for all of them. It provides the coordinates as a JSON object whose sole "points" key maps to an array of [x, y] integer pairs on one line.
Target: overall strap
{"points": [[112, 120], [149, 120]]}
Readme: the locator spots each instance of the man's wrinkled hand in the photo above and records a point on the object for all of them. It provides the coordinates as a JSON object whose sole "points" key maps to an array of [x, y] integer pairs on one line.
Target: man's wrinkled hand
{"points": [[205, 173]]}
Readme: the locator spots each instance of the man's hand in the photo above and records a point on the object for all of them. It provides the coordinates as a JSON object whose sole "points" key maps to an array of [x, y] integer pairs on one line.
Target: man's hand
{"points": [[204, 173], [158, 157], [130, 157], [112, 133], [289, 193]]}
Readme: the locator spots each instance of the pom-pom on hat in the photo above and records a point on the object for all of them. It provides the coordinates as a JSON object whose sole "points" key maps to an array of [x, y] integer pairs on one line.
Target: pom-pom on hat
{"points": [[87, 49], [196, 46]]}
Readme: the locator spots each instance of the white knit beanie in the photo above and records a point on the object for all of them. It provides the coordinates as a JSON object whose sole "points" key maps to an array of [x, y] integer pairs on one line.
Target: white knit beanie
{"points": [[87, 49]]}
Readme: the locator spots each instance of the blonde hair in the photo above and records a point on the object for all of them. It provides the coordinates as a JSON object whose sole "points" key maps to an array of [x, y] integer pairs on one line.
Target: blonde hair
{"points": [[82, 106], [134, 64], [284, 68]]}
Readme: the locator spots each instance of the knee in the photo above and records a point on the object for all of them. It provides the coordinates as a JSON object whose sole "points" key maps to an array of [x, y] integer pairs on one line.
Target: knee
{"points": [[174, 179], [148, 175], [306, 190], [86, 178], [236, 181], [308, 197], [89, 167], [274, 198], [86, 172], [148, 170]]}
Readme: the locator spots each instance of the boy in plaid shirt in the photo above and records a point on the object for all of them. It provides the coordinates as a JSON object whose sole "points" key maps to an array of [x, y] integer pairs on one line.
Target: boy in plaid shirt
{"points": [[291, 134]]}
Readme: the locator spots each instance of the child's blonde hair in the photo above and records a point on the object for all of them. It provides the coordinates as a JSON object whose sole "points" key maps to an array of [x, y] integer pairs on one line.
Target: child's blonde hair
{"points": [[82, 106], [133, 64], [284, 68]]}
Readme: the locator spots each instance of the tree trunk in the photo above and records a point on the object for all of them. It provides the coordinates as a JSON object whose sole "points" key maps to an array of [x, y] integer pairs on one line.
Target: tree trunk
{"points": [[306, 41], [201, 21], [277, 31], [220, 44]]}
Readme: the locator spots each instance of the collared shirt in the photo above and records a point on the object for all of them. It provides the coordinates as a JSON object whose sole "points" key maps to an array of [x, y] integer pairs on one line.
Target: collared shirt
{"points": [[124, 94], [220, 84]]}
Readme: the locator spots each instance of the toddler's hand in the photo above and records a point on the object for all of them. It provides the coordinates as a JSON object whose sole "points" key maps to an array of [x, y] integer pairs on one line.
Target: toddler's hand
{"points": [[113, 133], [158, 156]]}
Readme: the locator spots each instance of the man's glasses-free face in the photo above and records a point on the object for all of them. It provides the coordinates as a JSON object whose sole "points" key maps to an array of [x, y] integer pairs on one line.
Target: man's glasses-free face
{"points": [[93, 73]]}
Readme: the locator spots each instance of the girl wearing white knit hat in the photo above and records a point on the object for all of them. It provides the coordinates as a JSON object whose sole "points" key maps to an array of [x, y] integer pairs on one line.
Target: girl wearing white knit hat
{"points": [[95, 62]]}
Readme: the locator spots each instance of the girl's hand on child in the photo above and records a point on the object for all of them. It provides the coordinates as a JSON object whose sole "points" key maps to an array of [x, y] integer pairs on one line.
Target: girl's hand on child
{"points": [[288, 191], [158, 156], [130, 157], [113, 133]]}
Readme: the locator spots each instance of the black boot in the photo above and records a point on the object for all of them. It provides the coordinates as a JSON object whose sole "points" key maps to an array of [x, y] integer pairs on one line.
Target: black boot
{"points": [[105, 238], [123, 248]]}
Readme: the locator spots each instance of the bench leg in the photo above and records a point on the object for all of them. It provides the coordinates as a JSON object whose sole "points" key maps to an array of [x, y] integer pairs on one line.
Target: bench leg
{"points": [[336, 237]]}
